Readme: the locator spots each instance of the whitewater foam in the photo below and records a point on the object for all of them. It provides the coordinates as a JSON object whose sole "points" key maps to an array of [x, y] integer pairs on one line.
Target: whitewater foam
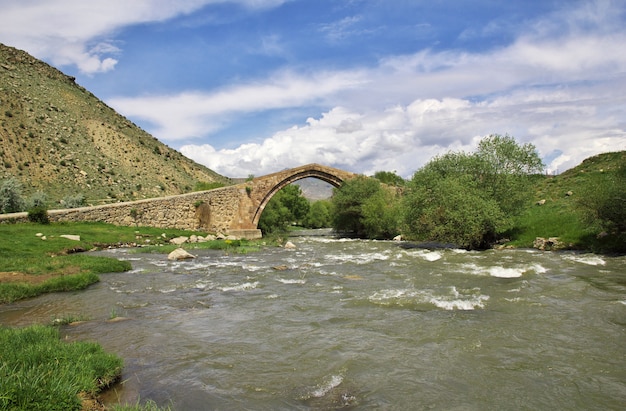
{"points": [[240, 287]]}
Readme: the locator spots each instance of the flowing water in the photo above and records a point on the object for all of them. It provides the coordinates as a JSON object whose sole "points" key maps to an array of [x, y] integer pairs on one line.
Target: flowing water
{"points": [[357, 325]]}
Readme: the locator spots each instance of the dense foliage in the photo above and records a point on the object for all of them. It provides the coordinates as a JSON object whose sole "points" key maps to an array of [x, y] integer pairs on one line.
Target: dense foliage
{"points": [[11, 196], [365, 208], [319, 215], [285, 208], [470, 199], [602, 203]]}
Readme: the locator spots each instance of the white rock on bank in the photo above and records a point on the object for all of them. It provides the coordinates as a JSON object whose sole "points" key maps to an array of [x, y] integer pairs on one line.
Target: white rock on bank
{"points": [[71, 237], [289, 245], [179, 240]]}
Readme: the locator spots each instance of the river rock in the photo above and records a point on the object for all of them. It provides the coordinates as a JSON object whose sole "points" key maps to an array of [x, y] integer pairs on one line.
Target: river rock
{"points": [[398, 238], [71, 237], [289, 245], [179, 254], [179, 240], [547, 244]]}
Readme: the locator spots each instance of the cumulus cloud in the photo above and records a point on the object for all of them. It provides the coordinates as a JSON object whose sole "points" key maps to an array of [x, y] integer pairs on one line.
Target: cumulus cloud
{"points": [[79, 32], [566, 126], [196, 114]]}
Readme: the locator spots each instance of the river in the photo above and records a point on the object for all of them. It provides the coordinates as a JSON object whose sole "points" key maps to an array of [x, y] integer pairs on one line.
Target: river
{"points": [[354, 324]]}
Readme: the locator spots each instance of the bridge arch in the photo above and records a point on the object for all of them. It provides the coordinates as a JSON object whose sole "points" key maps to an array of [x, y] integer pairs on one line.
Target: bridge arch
{"points": [[331, 179]]}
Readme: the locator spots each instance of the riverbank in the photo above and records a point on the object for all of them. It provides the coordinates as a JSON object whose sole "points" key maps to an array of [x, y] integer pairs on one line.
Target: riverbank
{"points": [[38, 259]]}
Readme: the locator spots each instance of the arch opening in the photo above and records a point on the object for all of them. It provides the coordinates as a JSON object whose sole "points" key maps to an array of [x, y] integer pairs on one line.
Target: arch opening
{"points": [[317, 174]]}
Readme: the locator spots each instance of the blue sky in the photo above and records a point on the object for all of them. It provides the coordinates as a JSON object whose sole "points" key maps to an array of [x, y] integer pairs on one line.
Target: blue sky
{"points": [[256, 86]]}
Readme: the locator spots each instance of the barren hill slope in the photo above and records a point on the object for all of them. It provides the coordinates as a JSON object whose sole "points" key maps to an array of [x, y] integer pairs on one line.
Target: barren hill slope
{"points": [[58, 138]]}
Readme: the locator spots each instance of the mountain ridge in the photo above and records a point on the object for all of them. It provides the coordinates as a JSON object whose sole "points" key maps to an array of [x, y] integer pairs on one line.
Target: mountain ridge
{"points": [[58, 138]]}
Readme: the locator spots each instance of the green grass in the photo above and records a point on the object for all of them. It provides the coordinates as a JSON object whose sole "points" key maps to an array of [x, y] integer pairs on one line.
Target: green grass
{"points": [[58, 262], [561, 214], [38, 371]]}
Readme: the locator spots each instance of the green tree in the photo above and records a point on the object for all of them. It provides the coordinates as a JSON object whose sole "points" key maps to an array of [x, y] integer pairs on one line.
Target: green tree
{"points": [[319, 215], [11, 200], [389, 178], [287, 206], [470, 199], [381, 214], [505, 170], [363, 207]]}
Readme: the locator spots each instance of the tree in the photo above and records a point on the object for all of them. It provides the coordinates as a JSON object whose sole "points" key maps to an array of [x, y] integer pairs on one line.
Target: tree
{"points": [[11, 196], [506, 170], [470, 198], [364, 208], [319, 215], [287, 206], [389, 178]]}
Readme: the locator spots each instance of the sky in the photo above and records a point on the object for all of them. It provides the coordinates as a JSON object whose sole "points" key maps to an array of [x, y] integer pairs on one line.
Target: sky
{"points": [[257, 86]]}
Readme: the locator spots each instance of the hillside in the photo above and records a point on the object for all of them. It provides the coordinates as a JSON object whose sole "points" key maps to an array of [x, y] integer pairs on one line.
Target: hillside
{"points": [[58, 138], [555, 210]]}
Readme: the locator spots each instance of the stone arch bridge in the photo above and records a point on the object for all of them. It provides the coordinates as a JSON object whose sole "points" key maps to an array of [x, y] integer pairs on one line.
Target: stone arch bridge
{"points": [[232, 210]]}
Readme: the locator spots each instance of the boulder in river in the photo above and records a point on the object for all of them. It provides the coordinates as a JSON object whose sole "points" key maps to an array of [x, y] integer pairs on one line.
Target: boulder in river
{"points": [[179, 254]]}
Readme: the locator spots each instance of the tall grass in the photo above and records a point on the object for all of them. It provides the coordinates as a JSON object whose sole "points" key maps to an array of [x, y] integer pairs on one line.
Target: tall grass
{"points": [[38, 371]]}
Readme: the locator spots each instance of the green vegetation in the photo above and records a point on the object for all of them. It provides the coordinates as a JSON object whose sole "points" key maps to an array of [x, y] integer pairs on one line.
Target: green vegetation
{"points": [[319, 215], [584, 207], [471, 199], [366, 208], [205, 186], [31, 265], [495, 195], [40, 372], [11, 196], [285, 208]]}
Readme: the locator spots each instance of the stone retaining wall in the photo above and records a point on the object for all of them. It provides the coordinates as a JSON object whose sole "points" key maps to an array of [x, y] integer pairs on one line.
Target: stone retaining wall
{"points": [[214, 211]]}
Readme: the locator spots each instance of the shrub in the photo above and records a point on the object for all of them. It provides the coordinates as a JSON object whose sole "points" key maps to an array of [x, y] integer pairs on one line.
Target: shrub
{"points": [[74, 201], [471, 199], [11, 196], [365, 209], [39, 199], [38, 215]]}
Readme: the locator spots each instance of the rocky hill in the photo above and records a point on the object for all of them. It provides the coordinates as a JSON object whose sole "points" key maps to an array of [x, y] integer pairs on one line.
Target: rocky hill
{"points": [[58, 138]]}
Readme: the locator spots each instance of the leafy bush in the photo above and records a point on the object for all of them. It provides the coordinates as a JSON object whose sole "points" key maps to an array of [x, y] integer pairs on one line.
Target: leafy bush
{"points": [[74, 201], [318, 215], [38, 215], [39, 199], [11, 196], [470, 199], [364, 208], [287, 206]]}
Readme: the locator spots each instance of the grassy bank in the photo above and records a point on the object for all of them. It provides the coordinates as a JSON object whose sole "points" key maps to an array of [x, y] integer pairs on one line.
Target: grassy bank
{"points": [[555, 209], [37, 370], [35, 259], [40, 372]]}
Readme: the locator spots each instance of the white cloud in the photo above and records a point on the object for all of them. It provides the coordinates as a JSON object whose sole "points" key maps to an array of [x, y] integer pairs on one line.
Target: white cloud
{"points": [[403, 138], [195, 114], [80, 32]]}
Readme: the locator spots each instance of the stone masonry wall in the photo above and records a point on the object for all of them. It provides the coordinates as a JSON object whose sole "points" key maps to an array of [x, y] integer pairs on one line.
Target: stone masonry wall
{"points": [[181, 211]]}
